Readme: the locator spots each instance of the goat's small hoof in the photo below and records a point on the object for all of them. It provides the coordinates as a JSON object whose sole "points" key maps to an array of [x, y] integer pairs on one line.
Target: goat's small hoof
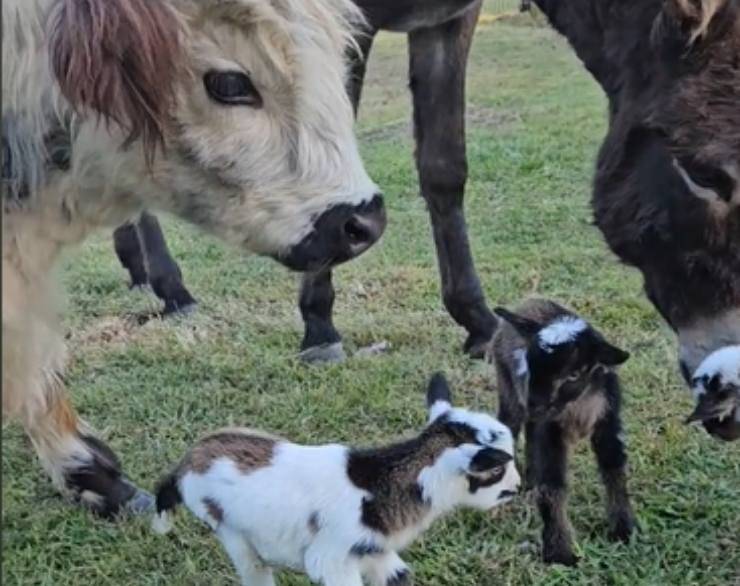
{"points": [[324, 354]]}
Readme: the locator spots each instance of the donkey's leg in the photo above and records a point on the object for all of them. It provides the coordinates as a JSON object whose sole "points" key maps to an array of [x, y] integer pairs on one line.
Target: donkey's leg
{"points": [[80, 465], [128, 249], [165, 276], [321, 340], [437, 72]]}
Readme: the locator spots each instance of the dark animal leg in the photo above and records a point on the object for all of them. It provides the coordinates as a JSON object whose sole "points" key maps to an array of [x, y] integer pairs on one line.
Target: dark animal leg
{"points": [[611, 457], [550, 467], [510, 410], [143, 251], [128, 249], [165, 276], [438, 58], [321, 340]]}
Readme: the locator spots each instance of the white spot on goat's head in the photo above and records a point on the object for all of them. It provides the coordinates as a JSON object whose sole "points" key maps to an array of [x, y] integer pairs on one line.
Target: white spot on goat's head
{"points": [[723, 364], [479, 473], [716, 388], [561, 331]]}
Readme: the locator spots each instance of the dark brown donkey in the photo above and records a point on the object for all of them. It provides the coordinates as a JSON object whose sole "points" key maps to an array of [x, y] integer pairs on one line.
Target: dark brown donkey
{"points": [[440, 34]]}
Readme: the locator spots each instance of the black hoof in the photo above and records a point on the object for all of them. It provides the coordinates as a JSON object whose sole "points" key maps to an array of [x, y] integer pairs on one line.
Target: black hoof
{"points": [[622, 529], [99, 485], [563, 557], [177, 308], [325, 354], [476, 344]]}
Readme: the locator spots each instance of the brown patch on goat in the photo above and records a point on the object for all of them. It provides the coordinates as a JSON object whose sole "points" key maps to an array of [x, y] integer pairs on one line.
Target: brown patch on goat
{"points": [[391, 475], [120, 59], [579, 417], [214, 509], [249, 451], [314, 523]]}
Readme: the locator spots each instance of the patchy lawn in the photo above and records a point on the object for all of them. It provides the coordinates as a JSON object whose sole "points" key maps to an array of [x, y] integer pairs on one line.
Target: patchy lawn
{"points": [[535, 123]]}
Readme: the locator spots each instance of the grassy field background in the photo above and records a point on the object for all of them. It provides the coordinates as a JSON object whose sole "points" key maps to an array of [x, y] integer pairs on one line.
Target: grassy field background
{"points": [[535, 120]]}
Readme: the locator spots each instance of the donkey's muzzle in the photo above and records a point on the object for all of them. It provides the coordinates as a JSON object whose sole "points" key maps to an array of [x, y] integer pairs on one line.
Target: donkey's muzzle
{"points": [[341, 233]]}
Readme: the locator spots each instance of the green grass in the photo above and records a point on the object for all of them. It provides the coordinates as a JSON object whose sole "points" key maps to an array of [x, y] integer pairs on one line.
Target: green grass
{"points": [[535, 123]]}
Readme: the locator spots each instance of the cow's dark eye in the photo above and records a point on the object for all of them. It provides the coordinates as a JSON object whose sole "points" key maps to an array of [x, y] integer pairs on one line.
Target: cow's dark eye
{"points": [[232, 88]]}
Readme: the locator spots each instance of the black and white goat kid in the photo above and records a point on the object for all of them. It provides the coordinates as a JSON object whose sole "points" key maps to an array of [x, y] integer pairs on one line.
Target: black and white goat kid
{"points": [[336, 513], [556, 376]]}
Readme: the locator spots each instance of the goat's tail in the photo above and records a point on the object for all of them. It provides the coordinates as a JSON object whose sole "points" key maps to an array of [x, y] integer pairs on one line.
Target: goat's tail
{"points": [[168, 497]]}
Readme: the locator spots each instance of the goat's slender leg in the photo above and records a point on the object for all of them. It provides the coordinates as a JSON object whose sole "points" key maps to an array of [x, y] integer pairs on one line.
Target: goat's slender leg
{"points": [[321, 340], [611, 456], [81, 466], [510, 410], [164, 274], [438, 59], [251, 570], [128, 249], [550, 467], [387, 570], [349, 575]]}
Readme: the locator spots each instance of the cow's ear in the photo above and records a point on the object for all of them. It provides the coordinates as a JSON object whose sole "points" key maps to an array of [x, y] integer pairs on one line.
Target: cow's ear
{"points": [[118, 59], [692, 17]]}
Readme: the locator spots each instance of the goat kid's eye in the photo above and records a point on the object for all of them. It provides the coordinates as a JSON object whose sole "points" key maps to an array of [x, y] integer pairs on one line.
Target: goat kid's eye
{"points": [[497, 471], [232, 88], [573, 377]]}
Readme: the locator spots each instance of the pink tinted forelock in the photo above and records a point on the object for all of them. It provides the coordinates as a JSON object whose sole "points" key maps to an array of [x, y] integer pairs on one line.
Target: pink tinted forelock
{"points": [[119, 59]]}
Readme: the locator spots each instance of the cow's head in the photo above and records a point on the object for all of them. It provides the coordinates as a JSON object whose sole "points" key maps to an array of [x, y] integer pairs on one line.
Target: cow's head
{"points": [[247, 99], [667, 189]]}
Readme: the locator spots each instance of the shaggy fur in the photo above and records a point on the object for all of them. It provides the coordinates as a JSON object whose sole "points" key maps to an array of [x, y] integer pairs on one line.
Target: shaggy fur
{"points": [[667, 187], [337, 513], [90, 88]]}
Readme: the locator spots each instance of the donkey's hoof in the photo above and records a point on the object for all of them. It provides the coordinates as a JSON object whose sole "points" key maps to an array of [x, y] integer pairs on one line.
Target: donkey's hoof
{"points": [[324, 354], [174, 309], [140, 504], [476, 344]]}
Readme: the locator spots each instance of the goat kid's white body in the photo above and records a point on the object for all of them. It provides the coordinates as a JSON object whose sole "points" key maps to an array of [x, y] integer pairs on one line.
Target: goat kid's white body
{"points": [[302, 512], [299, 512]]}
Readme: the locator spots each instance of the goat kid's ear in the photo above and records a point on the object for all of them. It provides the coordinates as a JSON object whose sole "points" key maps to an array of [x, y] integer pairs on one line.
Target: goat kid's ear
{"points": [[527, 328], [610, 355], [439, 397], [486, 459]]}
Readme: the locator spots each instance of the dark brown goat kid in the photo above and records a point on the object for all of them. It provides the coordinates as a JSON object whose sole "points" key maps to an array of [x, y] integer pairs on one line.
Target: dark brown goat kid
{"points": [[557, 378]]}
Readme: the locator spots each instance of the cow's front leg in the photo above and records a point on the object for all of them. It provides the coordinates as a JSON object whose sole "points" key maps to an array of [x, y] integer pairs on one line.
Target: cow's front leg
{"points": [[437, 71], [321, 340], [164, 274], [81, 466]]}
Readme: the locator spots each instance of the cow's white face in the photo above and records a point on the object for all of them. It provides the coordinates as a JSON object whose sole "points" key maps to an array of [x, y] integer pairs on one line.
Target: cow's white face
{"points": [[251, 108], [262, 148]]}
